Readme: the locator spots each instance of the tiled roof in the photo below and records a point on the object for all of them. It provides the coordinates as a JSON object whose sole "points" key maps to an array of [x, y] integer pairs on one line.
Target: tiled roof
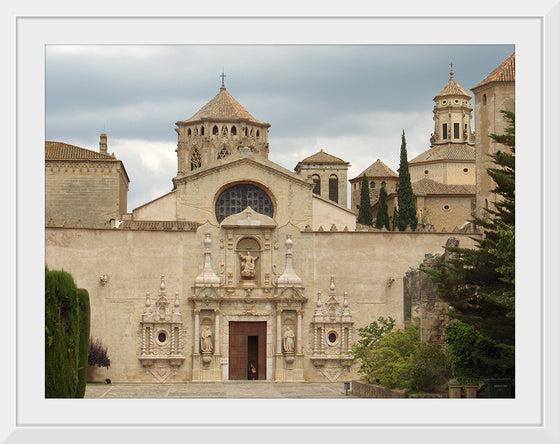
{"points": [[223, 107], [322, 157], [452, 88], [64, 151], [504, 72], [377, 169], [449, 151], [428, 186]]}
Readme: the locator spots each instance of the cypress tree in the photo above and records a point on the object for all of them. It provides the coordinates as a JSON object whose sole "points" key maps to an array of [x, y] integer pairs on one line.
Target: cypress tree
{"points": [[407, 202], [382, 219], [395, 218], [365, 216]]}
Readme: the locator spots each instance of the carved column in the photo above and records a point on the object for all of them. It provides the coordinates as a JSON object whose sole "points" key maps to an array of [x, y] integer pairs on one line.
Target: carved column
{"points": [[196, 331], [278, 331], [217, 335], [299, 334]]}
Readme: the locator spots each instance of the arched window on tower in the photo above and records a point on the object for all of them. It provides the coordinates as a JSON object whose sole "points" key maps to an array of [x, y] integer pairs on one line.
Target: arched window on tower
{"points": [[215, 130], [372, 185], [333, 188], [383, 184], [233, 131], [224, 131], [189, 132], [258, 134], [195, 159], [202, 131], [224, 152], [317, 183], [484, 99]]}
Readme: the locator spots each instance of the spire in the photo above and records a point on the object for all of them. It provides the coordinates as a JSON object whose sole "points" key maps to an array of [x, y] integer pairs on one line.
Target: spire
{"points": [[451, 73], [223, 76]]}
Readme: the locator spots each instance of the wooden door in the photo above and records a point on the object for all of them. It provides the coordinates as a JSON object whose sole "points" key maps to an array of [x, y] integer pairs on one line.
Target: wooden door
{"points": [[247, 342]]}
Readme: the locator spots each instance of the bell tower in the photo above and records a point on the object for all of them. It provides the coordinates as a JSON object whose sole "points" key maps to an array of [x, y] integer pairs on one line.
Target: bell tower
{"points": [[452, 115]]}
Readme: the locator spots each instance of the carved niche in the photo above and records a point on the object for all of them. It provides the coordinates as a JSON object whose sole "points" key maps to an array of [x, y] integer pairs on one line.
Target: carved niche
{"points": [[160, 335], [332, 331]]}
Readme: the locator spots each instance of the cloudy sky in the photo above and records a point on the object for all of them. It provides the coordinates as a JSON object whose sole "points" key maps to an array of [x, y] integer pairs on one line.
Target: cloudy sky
{"points": [[351, 101]]}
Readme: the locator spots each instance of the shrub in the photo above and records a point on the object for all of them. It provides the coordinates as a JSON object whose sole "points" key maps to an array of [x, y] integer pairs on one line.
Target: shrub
{"points": [[62, 335], [83, 300], [472, 354], [368, 336], [98, 354], [400, 359]]}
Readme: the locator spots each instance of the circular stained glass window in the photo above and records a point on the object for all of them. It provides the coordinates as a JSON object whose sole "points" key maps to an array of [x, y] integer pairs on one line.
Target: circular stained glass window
{"points": [[235, 199]]}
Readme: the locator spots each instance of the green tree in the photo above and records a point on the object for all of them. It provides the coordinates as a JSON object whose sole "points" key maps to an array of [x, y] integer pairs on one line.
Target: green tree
{"points": [[365, 215], [479, 283], [398, 358], [395, 219], [406, 200], [368, 336], [382, 219], [64, 355]]}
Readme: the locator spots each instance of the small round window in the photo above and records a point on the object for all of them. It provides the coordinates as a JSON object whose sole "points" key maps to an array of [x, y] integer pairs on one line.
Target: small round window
{"points": [[332, 337], [465, 170], [456, 101], [426, 171], [162, 337], [444, 102], [446, 208]]}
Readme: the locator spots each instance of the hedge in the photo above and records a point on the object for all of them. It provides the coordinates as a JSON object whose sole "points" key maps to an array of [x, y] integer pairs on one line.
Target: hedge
{"points": [[63, 335]]}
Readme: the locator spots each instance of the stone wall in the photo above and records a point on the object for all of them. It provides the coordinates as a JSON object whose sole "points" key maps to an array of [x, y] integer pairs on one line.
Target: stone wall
{"points": [[84, 192], [489, 120], [365, 390], [118, 267], [458, 212]]}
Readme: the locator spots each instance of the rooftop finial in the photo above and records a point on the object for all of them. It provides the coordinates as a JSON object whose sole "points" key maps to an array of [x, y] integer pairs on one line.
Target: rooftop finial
{"points": [[223, 76], [451, 73]]}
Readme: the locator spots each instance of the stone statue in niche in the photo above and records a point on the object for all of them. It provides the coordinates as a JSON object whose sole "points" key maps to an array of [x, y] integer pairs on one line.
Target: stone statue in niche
{"points": [[248, 265], [289, 340], [206, 340]]}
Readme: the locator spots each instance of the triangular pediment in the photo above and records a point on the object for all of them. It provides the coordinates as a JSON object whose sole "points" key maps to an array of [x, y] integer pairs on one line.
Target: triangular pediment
{"points": [[248, 218], [245, 162]]}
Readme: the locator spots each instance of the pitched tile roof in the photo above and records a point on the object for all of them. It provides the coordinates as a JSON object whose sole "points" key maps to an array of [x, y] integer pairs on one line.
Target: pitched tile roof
{"points": [[504, 72], [223, 107], [377, 169], [428, 186], [322, 157], [64, 151], [450, 151], [452, 88]]}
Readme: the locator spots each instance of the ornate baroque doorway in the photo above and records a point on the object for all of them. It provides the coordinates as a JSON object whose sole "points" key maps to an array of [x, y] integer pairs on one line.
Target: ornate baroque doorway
{"points": [[247, 345]]}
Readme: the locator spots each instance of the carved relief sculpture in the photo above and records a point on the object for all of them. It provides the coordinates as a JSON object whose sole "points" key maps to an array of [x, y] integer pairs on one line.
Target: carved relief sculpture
{"points": [[206, 340], [289, 340], [248, 265]]}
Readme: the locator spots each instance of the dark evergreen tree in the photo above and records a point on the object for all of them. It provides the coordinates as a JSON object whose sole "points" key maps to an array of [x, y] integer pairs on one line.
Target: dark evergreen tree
{"points": [[365, 215], [407, 202], [479, 283], [395, 218], [382, 219]]}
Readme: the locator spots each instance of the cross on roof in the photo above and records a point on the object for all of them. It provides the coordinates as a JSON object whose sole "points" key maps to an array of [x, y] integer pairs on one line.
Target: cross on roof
{"points": [[222, 75]]}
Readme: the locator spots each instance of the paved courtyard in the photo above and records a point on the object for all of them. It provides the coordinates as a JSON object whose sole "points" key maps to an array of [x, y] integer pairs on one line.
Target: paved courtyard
{"points": [[253, 389]]}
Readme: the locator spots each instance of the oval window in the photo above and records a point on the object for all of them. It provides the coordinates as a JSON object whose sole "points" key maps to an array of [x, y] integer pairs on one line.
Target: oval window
{"points": [[332, 337], [162, 336]]}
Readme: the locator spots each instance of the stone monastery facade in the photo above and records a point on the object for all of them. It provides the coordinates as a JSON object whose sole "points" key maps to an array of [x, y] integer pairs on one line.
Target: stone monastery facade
{"points": [[243, 263]]}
